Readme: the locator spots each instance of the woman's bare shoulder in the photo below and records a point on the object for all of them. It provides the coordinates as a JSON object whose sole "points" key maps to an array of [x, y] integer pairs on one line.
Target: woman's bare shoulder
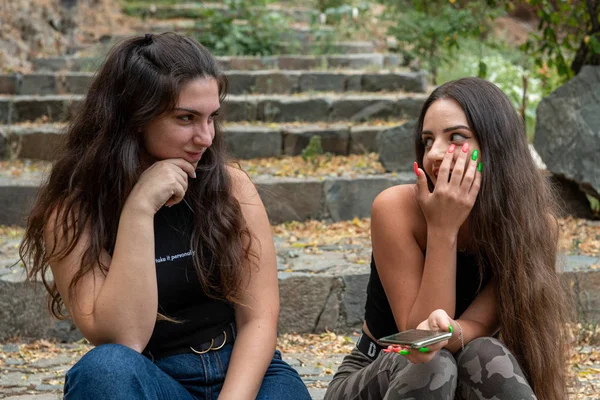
{"points": [[397, 209]]}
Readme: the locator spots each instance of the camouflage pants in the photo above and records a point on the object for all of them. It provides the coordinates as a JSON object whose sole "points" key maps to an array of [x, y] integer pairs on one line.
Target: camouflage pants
{"points": [[485, 369]]}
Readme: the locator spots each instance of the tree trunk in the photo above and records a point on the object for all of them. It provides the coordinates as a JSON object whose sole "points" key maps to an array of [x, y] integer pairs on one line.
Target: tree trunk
{"points": [[585, 55]]}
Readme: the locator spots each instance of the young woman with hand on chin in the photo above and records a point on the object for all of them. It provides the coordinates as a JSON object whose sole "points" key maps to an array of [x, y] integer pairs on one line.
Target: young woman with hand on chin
{"points": [[470, 249], [161, 252]]}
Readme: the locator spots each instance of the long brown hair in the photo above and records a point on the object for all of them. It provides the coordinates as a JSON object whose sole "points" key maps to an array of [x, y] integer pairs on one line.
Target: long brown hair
{"points": [[515, 233], [89, 183]]}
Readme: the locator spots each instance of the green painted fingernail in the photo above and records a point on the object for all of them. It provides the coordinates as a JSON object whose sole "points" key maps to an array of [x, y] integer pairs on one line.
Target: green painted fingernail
{"points": [[475, 154], [450, 329], [404, 352], [424, 350], [479, 167]]}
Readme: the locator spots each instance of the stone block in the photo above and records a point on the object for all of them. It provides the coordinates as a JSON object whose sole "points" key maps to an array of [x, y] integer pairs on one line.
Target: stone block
{"points": [[16, 200], [302, 300], [276, 82], [291, 199], [54, 108], [9, 83], [40, 142], [363, 139], [352, 47], [355, 61], [317, 263], [252, 63], [291, 109], [24, 314], [51, 64], [40, 83], [360, 108], [300, 62], [246, 142], [76, 83], [241, 82], [346, 198], [329, 318], [396, 147], [322, 82], [409, 107], [240, 109], [334, 139], [354, 299], [392, 60], [583, 286], [392, 82], [224, 62], [353, 83], [86, 64], [5, 110]]}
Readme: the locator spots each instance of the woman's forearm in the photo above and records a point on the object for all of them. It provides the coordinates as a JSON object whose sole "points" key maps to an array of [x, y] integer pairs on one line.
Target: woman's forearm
{"points": [[438, 283], [126, 306], [252, 354]]}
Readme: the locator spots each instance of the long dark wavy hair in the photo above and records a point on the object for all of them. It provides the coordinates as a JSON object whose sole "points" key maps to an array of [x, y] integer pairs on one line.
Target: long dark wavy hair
{"points": [[514, 232], [140, 79]]}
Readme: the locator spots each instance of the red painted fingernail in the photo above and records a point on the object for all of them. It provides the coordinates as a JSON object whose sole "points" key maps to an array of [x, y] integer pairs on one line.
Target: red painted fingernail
{"points": [[465, 147], [451, 148], [416, 167]]}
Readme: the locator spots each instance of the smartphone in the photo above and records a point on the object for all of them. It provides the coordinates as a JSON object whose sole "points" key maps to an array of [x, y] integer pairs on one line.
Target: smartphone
{"points": [[415, 338]]}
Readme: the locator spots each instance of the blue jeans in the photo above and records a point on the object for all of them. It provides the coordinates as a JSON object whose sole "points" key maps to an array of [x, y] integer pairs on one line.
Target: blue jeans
{"points": [[113, 371]]}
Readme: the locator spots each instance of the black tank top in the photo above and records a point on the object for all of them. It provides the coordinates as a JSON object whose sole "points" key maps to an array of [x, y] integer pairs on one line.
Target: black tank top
{"points": [[378, 313], [180, 295]]}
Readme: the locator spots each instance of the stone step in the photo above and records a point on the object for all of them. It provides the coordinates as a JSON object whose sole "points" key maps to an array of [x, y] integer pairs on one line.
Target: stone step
{"points": [[368, 61], [266, 108], [296, 197], [240, 82], [244, 141], [322, 287], [206, 10], [299, 32], [294, 41]]}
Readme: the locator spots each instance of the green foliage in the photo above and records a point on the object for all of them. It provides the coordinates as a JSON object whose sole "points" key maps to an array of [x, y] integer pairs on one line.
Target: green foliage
{"points": [[506, 67], [569, 36], [424, 28], [246, 28], [342, 22], [594, 205], [313, 149]]}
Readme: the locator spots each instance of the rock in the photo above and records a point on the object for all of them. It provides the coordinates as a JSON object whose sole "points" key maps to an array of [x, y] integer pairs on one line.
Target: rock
{"points": [[395, 147], [567, 130], [334, 139], [302, 304]]}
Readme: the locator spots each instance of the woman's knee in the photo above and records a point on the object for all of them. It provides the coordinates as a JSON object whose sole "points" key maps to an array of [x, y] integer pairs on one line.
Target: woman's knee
{"points": [[484, 350], [107, 364], [487, 366], [438, 376], [282, 382]]}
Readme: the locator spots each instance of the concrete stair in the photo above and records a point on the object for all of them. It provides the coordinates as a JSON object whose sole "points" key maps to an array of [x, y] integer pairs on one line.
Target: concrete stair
{"points": [[363, 61], [199, 10], [321, 196], [244, 141], [355, 107], [356, 103], [321, 288]]}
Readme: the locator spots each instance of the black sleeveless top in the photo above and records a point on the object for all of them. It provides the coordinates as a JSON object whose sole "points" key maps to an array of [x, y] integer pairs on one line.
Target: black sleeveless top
{"points": [[180, 295], [378, 313]]}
